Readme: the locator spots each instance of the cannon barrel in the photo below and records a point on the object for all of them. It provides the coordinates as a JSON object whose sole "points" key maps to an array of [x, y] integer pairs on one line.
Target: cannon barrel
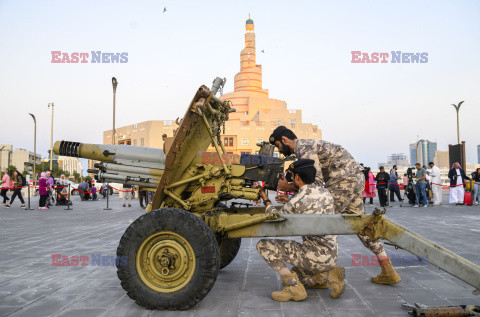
{"points": [[126, 164]]}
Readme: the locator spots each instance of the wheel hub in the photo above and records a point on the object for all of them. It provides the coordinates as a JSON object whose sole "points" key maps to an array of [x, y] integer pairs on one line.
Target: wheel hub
{"points": [[165, 261]]}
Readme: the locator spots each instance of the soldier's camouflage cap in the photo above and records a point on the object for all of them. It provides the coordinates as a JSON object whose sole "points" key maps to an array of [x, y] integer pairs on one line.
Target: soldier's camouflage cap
{"points": [[301, 166], [277, 134]]}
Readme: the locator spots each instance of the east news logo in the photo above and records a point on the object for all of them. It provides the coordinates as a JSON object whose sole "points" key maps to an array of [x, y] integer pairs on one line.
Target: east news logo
{"points": [[97, 57], [394, 57]]}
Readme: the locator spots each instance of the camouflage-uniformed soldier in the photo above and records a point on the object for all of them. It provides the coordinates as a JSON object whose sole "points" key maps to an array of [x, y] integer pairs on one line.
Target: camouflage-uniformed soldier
{"points": [[341, 174], [315, 258]]}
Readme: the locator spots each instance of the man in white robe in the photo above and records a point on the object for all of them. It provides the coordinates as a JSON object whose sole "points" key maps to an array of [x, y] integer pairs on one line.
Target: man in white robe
{"points": [[436, 184]]}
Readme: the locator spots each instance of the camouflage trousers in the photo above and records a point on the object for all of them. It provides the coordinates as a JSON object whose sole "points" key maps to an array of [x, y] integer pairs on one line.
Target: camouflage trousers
{"points": [[307, 259], [347, 196]]}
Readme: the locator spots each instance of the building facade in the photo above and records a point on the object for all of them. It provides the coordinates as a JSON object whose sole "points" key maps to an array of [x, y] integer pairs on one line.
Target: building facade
{"points": [[70, 164], [423, 152], [5, 156], [23, 160], [256, 116], [441, 159]]}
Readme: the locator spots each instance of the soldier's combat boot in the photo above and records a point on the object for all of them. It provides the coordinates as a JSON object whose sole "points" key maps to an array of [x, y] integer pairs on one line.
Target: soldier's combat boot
{"points": [[388, 275], [293, 290], [335, 279], [321, 281]]}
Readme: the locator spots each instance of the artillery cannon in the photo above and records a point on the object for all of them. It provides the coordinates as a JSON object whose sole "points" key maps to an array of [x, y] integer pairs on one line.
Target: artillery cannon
{"points": [[175, 250]]}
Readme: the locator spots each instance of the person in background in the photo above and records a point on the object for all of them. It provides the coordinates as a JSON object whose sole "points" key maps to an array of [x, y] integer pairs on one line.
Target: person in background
{"points": [[43, 191], [127, 195], [83, 190], [394, 188], [5, 184], [94, 193], [104, 190], [369, 191], [405, 181], [17, 184], [436, 184], [457, 190], [420, 186], [383, 180], [476, 187], [143, 198], [63, 180], [51, 185]]}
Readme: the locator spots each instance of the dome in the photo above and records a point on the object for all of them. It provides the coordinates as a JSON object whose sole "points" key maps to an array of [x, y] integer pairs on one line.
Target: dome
{"points": [[249, 21]]}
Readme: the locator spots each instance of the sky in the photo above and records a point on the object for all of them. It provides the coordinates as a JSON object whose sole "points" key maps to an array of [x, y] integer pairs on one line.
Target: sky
{"points": [[372, 109]]}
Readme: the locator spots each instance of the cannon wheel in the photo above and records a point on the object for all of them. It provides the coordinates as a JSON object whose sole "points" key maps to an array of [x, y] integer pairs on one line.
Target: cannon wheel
{"points": [[172, 260], [228, 250]]}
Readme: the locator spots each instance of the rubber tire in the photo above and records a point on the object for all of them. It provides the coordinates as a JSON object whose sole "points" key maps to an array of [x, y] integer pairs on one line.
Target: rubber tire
{"points": [[228, 250], [202, 241]]}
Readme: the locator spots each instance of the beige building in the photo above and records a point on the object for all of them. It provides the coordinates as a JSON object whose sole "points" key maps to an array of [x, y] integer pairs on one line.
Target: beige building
{"points": [[5, 156], [23, 160], [256, 117], [441, 159], [70, 164]]}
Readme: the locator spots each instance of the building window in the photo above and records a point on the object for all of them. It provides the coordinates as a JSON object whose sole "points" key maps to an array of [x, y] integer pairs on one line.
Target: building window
{"points": [[228, 141], [293, 121], [135, 142], [134, 125], [260, 140], [245, 141], [246, 112], [247, 152], [142, 142], [279, 121]]}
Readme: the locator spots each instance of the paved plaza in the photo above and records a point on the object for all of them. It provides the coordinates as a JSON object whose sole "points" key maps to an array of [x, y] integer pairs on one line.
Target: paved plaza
{"points": [[31, 286]]}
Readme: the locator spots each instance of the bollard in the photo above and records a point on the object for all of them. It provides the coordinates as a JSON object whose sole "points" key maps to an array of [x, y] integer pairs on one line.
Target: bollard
{"points": [[69, 201], [108, 194], [28, 198]]}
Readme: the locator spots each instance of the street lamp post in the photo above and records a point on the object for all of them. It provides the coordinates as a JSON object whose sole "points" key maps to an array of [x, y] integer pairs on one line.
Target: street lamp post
{"points": [[51, 138], [34, 149], [457, 108], [114, 84]]}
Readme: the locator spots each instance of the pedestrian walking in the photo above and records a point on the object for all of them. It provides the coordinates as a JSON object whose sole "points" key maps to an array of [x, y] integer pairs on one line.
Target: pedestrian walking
{"points": [[43, 191], [420, 186], [5, 185], [143, 198], [104, 190], [457, 190], [17, 191], [383, 180], [394, 187], [476, 187], [127, 195], [436, 184], [369, 191]]}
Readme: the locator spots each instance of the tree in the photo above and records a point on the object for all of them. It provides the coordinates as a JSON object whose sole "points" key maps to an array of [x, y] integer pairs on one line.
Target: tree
{"points": [[76, 177]]}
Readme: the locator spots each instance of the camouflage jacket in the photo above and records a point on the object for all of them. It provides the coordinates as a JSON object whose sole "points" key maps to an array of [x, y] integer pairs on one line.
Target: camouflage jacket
{"points": [[311, 199], [333, 162]]}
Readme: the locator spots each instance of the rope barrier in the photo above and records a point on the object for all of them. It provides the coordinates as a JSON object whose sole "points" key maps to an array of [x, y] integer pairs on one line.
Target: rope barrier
{"points": [[124, 191]]}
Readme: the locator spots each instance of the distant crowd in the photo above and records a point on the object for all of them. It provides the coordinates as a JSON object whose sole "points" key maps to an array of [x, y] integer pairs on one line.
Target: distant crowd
{"points": [[423, 187]]}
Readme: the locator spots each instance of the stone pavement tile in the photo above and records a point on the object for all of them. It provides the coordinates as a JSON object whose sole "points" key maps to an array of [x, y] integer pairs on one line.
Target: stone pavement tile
{"points": [[84, 312], [127, 311], [260, 313], [259, 300], [387, 307], [25, 296], [7, 310], [81, 286], [367, 289], [45, 306], [166, 313], [100, 298], [312, 306], [350, 313], [349, 300], [445, 289], [423, 296]]}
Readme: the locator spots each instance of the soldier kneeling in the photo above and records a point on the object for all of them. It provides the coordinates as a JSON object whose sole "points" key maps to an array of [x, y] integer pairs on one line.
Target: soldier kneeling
{"points": [[315, 258]]}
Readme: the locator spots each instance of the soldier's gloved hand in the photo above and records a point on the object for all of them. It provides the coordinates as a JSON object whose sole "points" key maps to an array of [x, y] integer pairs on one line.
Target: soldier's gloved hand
{"points": [[282, 199], [284, 186]]}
